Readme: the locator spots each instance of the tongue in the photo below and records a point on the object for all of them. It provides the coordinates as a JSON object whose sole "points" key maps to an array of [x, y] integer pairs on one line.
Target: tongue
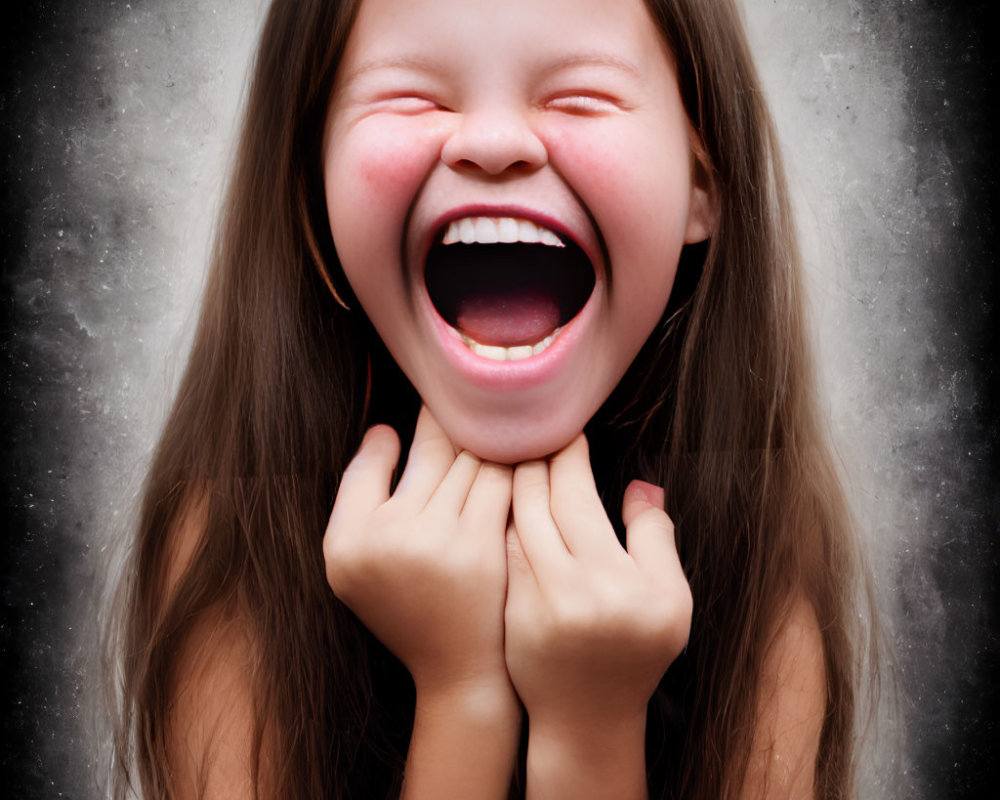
{"points": [[509, 319]]}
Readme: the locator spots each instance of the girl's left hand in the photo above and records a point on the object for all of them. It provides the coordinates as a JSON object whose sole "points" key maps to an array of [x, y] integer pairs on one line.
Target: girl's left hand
{"points": [[590, 627]]}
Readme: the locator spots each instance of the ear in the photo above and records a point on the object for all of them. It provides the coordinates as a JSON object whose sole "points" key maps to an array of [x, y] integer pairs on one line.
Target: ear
{"points": [[703, 208]]}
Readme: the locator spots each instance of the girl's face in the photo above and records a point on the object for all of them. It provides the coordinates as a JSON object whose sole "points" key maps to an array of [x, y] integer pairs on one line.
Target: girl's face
{"points": [[509, 188]]}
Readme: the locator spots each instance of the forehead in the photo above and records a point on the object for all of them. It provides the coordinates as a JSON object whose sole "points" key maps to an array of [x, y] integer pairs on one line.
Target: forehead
{"points": [[474, 30]]}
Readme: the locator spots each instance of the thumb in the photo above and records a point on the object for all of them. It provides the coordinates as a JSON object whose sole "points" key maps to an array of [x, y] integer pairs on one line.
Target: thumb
{"points": [[649, 533], [366, 482], [364, 486], [639, 497]]}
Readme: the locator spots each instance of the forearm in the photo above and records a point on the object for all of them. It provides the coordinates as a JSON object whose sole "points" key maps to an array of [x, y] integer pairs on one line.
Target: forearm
{"points": [[587, 762], [463, 745]]}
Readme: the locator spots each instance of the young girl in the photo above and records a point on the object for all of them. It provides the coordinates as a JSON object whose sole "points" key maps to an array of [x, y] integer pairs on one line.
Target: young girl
{"points": [[546, 243]]}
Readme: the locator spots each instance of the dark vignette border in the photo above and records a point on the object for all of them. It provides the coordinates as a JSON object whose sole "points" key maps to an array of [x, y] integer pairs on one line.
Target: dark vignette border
{"points": [[947, 52], [45, 62]]}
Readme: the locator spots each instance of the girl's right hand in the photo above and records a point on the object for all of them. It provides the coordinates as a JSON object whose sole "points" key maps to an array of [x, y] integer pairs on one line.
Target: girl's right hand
{"points": [[425, 568]]}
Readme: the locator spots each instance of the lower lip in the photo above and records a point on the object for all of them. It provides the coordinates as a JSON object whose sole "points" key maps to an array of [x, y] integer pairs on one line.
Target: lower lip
{"points": [[510, 376]]}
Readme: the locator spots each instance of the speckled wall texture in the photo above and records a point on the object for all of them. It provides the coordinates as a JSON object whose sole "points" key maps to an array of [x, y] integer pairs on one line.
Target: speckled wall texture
{"points": [[116, 127]]}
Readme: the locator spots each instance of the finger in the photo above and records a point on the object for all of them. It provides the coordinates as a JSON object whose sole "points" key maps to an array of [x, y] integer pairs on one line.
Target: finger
{"points": [[367, 480], [520, 576], [431, 456], [454, 488], [522, 602], [649, 533], [488, 503], [576, 506], [541, 541]]}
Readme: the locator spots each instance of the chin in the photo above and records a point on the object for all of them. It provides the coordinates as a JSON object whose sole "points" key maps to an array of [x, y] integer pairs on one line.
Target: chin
{"points": [[512, 443]]}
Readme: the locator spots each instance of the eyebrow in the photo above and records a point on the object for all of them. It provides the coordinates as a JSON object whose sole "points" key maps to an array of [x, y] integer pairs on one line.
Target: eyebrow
{"points": [[426, 65], [594, 60], [416, 63]]}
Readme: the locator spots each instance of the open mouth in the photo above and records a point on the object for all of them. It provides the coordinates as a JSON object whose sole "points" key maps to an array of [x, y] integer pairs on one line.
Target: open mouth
{"points": [[508, 286]]}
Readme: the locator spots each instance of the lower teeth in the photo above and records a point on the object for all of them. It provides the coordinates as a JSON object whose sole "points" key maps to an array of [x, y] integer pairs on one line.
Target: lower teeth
{"points": [[517, 353]]}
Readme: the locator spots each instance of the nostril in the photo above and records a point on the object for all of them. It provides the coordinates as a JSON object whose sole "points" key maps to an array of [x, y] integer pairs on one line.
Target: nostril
{"points": [[520, 165], [494, 144]]}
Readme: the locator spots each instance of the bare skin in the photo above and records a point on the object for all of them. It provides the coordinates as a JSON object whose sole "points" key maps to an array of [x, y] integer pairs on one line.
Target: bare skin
{"points": [[425, 570], [591, 628], [545, 606]]}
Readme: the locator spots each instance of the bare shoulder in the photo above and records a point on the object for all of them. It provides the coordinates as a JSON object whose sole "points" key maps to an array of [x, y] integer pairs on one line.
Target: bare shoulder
{"points": [[184, 539], [210, 722], [791, 711]]}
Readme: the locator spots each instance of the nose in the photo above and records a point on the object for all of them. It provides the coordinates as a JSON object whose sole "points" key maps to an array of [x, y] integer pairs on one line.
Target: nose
{"points": [[494, 140]]}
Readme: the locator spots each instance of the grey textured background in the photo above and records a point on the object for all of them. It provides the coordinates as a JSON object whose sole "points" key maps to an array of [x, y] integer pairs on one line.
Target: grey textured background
{"points": [[116, 129]]}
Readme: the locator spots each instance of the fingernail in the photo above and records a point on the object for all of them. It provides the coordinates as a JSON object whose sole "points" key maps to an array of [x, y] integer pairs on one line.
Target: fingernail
{"points": [[649, 492]]}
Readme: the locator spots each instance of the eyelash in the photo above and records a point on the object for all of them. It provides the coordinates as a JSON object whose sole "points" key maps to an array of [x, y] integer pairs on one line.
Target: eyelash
{"points": [[584, 103], [409, 104]]}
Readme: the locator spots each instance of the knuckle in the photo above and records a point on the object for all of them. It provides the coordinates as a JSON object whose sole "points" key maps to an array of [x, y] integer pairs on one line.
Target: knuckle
{"points": [[330, 542], [685, 601], [352, 563], [335, 547], [656, 519], [341, 573], [670, 619]]}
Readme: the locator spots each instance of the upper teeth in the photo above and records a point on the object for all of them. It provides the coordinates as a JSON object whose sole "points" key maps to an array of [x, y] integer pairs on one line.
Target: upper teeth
{"points": [[490, 230]]}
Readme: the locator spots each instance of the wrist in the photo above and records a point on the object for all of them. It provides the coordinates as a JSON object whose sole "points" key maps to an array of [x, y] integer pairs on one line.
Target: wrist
{"points": [[588, 737], [481, 701], [593, 758], [464, 742]]}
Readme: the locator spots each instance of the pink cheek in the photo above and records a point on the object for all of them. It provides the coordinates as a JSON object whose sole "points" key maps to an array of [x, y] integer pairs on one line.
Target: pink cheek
{"points": [[386, 176], [393, 163], [376, 176], [590, 165]]}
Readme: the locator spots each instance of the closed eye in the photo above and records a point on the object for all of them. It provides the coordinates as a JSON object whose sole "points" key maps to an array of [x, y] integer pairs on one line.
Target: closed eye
{"points": [[408, 104], [585, 104]]}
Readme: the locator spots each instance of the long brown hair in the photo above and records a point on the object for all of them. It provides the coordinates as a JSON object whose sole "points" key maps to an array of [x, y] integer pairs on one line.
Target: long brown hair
{"points": [[286, 373]]}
